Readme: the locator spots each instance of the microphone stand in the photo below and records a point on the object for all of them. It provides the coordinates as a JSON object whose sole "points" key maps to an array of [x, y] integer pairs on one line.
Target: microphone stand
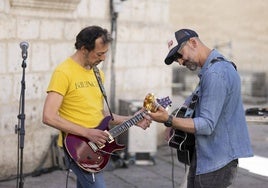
{"points": [[19, 129]]}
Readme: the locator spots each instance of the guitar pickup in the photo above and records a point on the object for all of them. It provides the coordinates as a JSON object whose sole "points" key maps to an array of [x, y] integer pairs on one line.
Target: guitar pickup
{"points": [[93, 146]]}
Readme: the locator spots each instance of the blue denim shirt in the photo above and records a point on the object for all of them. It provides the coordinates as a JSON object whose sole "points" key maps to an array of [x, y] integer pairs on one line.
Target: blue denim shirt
{"points": [[221, 128]]}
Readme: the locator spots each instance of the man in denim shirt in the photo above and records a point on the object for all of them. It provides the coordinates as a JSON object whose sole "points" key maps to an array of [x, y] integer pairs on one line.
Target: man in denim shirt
{"points": [[219, 125]]}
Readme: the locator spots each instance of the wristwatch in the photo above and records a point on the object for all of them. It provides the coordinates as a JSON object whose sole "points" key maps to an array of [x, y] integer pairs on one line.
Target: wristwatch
{"points": [[168, 123]]}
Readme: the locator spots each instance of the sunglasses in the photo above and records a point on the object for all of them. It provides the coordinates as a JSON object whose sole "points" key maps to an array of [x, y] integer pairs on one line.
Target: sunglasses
{"points": [[176, 56]]}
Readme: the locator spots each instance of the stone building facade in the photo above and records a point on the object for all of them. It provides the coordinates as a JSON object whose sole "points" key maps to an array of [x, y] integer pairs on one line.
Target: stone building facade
{"points": [[238, 28]]}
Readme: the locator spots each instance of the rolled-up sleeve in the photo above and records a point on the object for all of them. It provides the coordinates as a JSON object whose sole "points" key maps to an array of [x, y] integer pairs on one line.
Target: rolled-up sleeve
{"points": [[212, 94]]}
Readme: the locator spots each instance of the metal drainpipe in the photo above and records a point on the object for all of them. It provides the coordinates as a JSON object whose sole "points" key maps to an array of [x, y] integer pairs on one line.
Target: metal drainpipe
{"points": [[114, 15]]}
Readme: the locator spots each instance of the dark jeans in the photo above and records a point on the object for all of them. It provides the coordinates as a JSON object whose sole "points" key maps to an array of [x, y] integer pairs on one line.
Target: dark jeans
{"points": [[221, 178], [85, 179]]}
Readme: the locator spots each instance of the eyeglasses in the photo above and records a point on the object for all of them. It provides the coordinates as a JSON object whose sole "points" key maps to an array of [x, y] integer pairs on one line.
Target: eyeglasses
{"points": [[178, 55]]}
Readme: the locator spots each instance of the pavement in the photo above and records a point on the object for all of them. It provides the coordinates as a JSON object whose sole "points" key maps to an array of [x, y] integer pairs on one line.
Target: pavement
{"points": [[162, 170]]}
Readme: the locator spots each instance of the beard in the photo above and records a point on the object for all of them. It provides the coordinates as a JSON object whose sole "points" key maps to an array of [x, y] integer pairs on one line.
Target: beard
{"points": [[192, 66]]}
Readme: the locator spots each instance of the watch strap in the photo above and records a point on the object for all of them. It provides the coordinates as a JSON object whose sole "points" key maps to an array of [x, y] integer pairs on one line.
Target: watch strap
{"points": [[168, 123]]}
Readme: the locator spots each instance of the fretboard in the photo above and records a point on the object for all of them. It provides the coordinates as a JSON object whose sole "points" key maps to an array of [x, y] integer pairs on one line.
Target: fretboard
{"points": [[119, 129]]}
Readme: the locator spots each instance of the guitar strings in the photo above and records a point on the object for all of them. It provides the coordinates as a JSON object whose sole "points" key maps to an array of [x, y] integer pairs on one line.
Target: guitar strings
{"points": [[105, 152]]}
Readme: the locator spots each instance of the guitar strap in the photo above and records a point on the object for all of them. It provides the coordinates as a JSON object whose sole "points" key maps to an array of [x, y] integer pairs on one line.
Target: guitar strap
{"points": [[191, 106], [98, 77], [194, 99], [217, 59]]}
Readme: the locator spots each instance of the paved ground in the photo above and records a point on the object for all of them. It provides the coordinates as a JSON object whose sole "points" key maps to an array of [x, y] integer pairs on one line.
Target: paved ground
{"points": [[165, 172], [141, 176]]}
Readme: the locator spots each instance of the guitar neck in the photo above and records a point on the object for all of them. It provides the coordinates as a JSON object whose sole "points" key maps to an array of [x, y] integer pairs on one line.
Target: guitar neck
{"points": [[119, 129]]}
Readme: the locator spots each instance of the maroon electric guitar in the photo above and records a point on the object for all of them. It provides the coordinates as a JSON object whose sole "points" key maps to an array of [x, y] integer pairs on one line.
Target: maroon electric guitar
{"points": [[92, 157]]}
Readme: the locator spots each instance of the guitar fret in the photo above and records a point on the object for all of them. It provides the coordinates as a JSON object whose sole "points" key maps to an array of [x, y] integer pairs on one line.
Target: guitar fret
{"points": [[127, 124], [119, 129]]}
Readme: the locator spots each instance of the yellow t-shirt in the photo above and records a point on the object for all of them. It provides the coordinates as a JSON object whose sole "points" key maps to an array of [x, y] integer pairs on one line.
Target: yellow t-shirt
{"points": [[82, 99]]}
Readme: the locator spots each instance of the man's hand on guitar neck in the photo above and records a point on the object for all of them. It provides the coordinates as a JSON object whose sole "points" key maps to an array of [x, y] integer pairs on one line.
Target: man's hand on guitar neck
{"points": [[183, 124], [146, 121], [160, 116]]}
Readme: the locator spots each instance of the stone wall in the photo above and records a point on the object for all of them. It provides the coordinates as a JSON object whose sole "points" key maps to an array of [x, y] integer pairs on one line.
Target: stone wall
{"points": [[50, 28]]}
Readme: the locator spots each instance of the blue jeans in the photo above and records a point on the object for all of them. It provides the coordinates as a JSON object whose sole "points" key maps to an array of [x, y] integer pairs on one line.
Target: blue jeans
{"points": [[221, 178], [85, 179]]}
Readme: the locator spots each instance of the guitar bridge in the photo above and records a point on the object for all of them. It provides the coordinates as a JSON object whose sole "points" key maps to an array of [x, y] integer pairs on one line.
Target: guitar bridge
{"points": [[95, 147], [110, 138]]}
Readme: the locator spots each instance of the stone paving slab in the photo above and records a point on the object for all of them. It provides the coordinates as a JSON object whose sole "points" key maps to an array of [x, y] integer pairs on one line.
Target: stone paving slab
{"points": [[158, 175]]}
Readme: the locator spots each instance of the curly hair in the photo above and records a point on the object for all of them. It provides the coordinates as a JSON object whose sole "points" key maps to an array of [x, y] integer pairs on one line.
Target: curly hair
{"points": [[87, 36]]}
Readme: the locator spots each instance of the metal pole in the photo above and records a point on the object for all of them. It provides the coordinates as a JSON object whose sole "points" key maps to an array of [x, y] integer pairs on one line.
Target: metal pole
{"points": [[114, 15]]}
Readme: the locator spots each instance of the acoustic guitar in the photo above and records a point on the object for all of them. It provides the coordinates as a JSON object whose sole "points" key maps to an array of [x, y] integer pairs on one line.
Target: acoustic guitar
{"points": [[182, 141]]}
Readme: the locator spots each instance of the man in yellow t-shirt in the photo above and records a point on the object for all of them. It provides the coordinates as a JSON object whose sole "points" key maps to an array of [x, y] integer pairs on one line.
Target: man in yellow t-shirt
{"points": [[74, 103]]}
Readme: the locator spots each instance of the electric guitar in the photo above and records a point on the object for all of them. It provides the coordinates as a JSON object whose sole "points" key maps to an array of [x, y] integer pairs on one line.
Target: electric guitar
{"points": [[182, 141], [92, 157]]}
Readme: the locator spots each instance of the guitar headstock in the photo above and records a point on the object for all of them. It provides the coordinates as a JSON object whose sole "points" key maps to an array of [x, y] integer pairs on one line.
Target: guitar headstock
{"points": [[151, 103]]}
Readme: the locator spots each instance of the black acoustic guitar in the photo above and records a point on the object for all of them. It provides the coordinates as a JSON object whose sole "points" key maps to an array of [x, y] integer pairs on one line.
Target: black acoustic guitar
{"points": [[182, 141]]}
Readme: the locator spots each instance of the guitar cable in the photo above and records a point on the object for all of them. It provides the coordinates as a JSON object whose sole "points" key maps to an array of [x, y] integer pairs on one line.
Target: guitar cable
{"points": [[172, 167], [71, 161], [109, 153], [67, 178], [68, 172], [67, 166]]}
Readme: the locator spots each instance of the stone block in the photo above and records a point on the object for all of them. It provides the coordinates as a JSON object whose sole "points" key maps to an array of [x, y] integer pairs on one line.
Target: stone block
{"points": [[8, 25], [51, 29], [3, 58], [40, 57], [28, 28], [6, 92]]}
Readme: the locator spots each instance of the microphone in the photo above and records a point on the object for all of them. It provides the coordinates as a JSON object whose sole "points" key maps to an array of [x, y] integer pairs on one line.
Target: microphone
{"points": [[24, 46]]}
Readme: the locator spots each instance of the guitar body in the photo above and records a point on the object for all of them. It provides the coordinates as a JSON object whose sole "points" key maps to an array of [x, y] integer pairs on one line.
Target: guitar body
{"points": [[185, 145], [92, 157], [182, 141], [85, 156]]}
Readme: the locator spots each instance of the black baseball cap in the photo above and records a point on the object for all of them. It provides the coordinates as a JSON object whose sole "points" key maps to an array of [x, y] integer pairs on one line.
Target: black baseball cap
{"points": [[181, 36]]}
